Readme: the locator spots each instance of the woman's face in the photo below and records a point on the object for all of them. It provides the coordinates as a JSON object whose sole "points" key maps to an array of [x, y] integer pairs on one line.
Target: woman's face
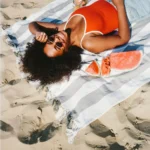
{"points": [[56, 44]]}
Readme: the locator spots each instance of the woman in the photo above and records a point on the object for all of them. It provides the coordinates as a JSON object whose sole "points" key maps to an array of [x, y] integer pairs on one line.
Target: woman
{"points": [[55, 53]]}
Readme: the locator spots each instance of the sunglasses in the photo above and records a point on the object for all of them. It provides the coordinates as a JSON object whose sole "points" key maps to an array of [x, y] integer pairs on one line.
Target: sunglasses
{"points": [[51, 40]]}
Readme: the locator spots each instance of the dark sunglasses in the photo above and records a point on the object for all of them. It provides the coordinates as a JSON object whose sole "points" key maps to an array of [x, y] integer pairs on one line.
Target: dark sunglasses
{"points": [[58, 45]]}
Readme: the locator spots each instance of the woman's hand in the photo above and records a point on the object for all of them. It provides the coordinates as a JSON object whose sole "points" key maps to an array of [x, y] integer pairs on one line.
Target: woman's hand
{"points": [[118, 3], [41, 37]]}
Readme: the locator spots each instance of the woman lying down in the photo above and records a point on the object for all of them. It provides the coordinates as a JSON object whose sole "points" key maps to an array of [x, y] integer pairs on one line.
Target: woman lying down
{"points": [[56, 50]]}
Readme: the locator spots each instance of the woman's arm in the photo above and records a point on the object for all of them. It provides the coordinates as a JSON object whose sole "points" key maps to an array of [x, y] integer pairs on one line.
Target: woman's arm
{"points": [[124, 31], [99, 43], [41, 36], [34, 26]]}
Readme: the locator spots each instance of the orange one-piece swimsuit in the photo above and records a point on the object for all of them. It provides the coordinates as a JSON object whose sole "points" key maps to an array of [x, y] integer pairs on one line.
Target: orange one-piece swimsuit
{"points": [[101, 17]]}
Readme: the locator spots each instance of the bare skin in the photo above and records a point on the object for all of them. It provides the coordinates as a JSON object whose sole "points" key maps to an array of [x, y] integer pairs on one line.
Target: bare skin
{"points": [[79, 3], [77, 25]]}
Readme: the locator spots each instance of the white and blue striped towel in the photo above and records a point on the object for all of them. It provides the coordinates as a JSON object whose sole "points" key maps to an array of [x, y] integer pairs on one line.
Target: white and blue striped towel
{"points": [[83, 99]]}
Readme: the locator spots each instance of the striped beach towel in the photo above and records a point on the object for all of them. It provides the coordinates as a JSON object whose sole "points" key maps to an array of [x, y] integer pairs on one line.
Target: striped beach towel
{"points": [[83, 99]]}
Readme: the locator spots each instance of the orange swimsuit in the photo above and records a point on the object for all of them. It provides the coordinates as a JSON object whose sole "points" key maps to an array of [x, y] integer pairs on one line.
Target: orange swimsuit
{"points": [[100, 17]]}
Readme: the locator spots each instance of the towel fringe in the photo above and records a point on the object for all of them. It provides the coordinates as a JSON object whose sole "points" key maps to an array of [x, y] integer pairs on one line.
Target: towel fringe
{"points": [[72, 132], [62, 113]]}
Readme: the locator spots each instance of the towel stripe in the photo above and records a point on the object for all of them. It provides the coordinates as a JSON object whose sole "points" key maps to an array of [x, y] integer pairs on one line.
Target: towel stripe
{"points": [[94, 97], [110, 100]]}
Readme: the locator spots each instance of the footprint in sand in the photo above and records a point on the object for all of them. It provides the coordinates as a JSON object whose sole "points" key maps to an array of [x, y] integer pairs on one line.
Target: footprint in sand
{"points": [[6, 130], [6, 21], [48, 131], [134, 133], [42, 134], [27, 133], [95, 141], [7, 77], [13, 82], [143, 126], [5, 127], [5, 16], [5, 3], [139, 123], [38, 103], [30, 127], [116, 146], [2, 55], [100, 129], [29, 5]]}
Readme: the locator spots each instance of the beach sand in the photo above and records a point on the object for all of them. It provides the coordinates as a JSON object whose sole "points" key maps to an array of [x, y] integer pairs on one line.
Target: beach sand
{"points": [[28, 121]]}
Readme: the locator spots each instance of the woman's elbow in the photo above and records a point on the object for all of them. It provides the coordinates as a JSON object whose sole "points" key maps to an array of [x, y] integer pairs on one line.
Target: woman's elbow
{"points": [[33, 28], [31, 24], [126, 39]]}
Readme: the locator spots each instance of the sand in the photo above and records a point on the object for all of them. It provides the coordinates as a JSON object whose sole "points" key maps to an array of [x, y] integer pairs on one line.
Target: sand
{"points": [[28, 121]]}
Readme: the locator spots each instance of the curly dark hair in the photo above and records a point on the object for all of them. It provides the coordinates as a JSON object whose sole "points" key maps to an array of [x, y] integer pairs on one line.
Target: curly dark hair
{"points": [[49, 70]]}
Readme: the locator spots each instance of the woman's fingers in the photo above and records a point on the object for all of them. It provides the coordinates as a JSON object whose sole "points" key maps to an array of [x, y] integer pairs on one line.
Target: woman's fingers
{"points": [[41, 37], [44, 37], [37, 35]]}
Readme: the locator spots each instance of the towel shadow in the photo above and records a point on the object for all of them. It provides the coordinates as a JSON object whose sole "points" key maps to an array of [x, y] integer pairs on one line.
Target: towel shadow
{"points": [[131, 47], [138, 47], [52, 20]]}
